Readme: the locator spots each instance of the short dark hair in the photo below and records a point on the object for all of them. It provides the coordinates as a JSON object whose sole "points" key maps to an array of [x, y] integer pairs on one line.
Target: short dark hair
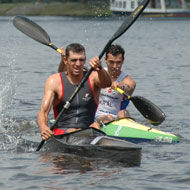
{"points": [[74, 47], [115, 50]]}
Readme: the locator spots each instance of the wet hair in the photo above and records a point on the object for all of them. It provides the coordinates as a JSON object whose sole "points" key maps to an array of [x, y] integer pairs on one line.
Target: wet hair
{"points": [[115, 50], [74, 47]]}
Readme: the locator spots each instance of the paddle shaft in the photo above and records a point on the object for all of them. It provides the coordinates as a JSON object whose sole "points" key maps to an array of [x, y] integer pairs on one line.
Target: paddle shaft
{"points": [[55, 48]]}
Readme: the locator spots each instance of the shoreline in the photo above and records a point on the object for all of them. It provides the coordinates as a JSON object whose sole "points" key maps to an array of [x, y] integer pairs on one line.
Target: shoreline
{"points": [[55, 9], [69, 9]]}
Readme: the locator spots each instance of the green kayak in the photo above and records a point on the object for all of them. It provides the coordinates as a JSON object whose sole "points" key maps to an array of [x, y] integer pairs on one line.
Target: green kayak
{"points": [[132, 131]]}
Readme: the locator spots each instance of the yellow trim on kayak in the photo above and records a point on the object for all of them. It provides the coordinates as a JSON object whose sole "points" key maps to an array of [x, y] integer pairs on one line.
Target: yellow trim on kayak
{"points": [[130, 123]]}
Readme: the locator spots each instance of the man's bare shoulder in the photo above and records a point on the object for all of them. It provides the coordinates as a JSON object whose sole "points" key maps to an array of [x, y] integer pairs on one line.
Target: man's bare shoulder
{"points": [[53, 79], [55, 76]]}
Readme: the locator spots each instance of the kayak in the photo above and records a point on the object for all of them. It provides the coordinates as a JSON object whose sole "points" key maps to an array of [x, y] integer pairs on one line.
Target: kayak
{"points": [[90, 143], [130, 130]]}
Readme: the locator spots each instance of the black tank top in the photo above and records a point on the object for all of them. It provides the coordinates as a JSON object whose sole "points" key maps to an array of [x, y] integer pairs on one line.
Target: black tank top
{"points": [[82, 110]]}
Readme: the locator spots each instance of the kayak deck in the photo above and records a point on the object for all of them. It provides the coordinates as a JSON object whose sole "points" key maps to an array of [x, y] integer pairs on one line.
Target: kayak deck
{"points": [[128, 129]]}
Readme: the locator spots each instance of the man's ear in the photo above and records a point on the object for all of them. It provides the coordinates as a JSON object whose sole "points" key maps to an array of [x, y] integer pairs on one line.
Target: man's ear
{"points": [[123, 61], [105, 59], [65, 59]]}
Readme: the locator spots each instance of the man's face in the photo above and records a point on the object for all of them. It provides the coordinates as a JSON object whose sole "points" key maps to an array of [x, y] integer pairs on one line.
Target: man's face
{"points": [[75, 62], [114, 63]]}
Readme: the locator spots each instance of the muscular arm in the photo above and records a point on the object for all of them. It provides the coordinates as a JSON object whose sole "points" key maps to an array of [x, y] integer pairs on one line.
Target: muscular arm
{"points": [[99, 76], [47, 102], [102, 78], [62, 66], [127, 84]]}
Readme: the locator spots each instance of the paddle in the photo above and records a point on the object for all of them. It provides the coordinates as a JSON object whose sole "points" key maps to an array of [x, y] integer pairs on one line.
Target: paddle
{"points": [[149, 110], [37, 33], [34, 31], [20, 23]]}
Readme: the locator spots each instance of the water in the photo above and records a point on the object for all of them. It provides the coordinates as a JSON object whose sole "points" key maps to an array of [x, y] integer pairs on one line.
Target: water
{"points": [[157, 58]]}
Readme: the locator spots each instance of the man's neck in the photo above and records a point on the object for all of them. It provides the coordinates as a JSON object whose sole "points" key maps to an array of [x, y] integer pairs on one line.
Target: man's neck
{"points": [[115, 76], [75, 79]]}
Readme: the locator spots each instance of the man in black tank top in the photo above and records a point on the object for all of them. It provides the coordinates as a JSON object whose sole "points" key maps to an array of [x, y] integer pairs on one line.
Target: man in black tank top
{"points": [[60, 86]]}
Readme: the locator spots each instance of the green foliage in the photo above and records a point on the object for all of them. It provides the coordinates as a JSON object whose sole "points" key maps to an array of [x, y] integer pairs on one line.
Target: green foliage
{"points": [[72, 9], [95, 8], [6, 7], [6, 1]]}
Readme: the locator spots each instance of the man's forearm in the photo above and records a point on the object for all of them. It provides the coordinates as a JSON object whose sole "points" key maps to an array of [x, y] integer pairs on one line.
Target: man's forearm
{"points": [[104, 78]]}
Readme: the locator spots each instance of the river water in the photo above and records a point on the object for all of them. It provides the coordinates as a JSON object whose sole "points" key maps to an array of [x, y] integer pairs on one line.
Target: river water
{"points": [[157, 57]]}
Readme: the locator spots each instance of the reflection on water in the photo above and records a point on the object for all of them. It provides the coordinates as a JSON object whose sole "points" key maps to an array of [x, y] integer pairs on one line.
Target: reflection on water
{"points": [[112, 150], [66, 164]]}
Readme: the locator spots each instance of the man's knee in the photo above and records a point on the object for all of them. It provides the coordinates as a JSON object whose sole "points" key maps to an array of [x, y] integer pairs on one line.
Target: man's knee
{"points": [[95, 125], [105, 118]]}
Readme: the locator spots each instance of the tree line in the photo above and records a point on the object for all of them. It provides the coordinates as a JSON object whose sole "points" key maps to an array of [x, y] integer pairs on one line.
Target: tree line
{"points": [[64, 1], [48, 1]]}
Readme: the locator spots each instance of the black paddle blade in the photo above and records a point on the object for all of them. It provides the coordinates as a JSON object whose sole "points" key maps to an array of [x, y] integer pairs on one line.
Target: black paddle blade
{"points": [[130, 19], [126, 24], [149, 110], [31, 29]]}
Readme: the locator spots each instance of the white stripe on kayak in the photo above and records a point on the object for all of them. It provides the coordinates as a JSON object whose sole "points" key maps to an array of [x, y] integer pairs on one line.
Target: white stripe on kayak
{"points": [[117, 131]]}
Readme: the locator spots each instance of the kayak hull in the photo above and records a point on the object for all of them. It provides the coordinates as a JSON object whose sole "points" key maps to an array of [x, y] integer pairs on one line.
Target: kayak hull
{"points": [[92, 143], [128, 129]]}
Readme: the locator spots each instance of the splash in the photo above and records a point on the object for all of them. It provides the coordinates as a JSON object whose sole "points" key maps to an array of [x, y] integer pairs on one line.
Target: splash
{"points": [[7, 93], [7, 90]]}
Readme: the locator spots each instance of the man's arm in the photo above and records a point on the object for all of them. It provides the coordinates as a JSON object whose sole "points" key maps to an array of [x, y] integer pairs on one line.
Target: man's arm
{"points": [[47, 101], [127, 84], [100, 76], [62, 66]]}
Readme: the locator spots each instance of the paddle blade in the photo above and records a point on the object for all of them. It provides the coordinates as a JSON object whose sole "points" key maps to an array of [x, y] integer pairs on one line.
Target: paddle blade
{"points": [[149, 110], [130, 19], [31, 29], [126, 24]]}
